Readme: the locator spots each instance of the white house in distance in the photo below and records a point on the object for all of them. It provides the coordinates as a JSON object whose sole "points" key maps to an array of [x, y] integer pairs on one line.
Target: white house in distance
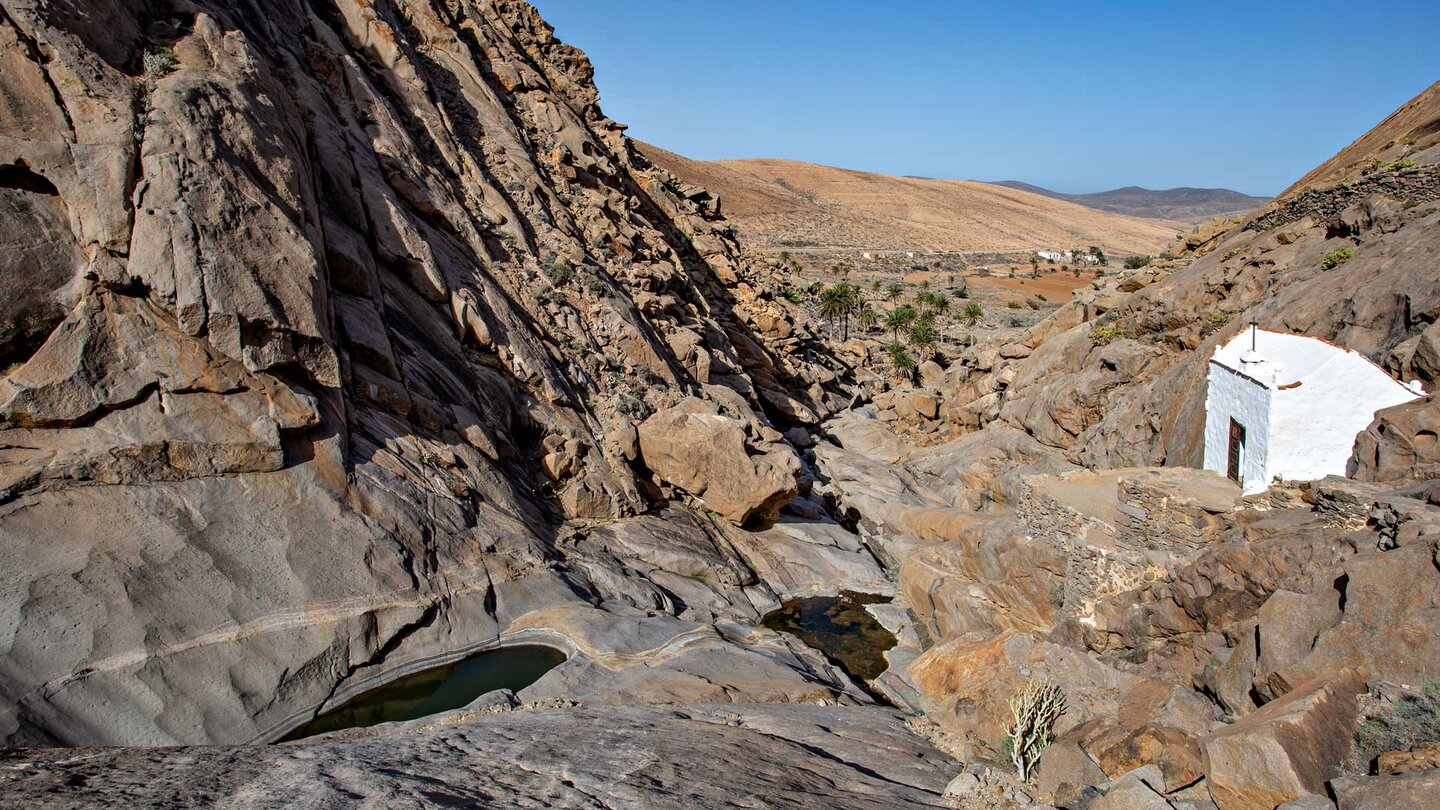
{"points": [[1289, 407]]}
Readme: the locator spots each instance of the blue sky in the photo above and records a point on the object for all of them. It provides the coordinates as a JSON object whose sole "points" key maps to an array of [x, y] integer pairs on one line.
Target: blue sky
{"points": [[1074, 96]]}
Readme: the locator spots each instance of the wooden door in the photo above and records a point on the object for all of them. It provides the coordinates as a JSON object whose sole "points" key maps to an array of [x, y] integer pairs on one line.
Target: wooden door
{"points": [[1237, 447]]}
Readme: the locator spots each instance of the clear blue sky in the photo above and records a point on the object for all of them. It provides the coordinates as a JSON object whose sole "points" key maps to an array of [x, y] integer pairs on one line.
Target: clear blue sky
{"points": [[1074, 96]]}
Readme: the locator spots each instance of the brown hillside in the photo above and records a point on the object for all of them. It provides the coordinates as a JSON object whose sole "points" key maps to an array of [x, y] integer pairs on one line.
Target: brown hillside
{"points": [[784, 203], [1404, 134]]}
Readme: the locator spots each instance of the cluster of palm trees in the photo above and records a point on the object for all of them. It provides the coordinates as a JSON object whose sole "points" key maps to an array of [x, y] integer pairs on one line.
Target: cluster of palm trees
{"points": [[916, 321], [839, 302]]}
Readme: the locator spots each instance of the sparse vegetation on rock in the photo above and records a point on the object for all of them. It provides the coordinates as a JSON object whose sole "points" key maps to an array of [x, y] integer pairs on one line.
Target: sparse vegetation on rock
{"points": [[1034, 713], [1335, 258], [1401, 723], [1103, 335]]}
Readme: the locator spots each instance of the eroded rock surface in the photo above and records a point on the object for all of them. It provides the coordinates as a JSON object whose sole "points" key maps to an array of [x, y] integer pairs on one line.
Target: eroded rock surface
{"points": [[609, 757], [327, 329]]}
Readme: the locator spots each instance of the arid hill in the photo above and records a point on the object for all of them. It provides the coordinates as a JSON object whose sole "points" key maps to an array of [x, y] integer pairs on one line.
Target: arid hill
{"points": [[785, 203], [1172, 204]]}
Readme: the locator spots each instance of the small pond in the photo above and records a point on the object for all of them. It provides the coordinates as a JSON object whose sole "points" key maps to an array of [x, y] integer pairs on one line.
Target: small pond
{"points": [[441, 689], [840, 627]]}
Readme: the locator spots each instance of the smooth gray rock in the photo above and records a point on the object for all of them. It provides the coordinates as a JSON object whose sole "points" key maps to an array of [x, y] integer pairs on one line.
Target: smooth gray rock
{"points": [[696, 756]]}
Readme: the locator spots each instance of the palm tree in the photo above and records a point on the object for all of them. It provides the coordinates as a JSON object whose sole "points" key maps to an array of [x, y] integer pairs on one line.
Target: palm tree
{"points": [[923, 337], [972, 314], [939, 305], [894, 292], [900, 319], [832, 303], [901, 363], [875, 285], [925, 285], [868, 317]]}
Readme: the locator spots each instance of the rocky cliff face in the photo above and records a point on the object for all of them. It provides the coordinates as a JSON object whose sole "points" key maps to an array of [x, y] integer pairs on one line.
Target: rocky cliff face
{"points": [[327, 327]]}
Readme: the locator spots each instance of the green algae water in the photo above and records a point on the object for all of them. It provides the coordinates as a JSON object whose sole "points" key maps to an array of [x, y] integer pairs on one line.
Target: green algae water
{"points": [[440, 689], [839, 627]]}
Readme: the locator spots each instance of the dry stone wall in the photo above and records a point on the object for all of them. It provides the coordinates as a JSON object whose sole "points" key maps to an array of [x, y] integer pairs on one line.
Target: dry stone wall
{"points": [[1122, 530]]}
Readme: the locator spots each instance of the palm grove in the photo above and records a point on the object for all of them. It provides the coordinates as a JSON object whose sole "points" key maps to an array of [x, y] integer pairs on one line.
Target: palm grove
{"points": [[913, 326]]}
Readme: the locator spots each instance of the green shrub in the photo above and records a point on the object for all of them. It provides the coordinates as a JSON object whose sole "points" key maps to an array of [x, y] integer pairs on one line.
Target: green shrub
{"points": [[1335, 258], [1013, 304], [1215, 320], [559, 274], [158, 64], [1402, 163], [1136, 262], [1403, 723], [1103, 335]]}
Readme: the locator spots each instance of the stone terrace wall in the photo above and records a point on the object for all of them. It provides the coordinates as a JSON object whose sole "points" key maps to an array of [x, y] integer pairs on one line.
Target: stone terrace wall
{"points": [[1120, 530], [1173, 510]]}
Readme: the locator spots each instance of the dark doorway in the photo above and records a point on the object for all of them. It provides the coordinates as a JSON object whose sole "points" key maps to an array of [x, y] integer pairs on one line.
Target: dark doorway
{"points": [[1237, 447]]}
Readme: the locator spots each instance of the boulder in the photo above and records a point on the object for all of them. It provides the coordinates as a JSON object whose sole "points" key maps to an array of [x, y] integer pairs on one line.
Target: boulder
{"points": [[932, 375], [1417, 790], [1286, 749], [693, 447], [1130, 793], [913, 405], [1400, 443], [1065, 768]]}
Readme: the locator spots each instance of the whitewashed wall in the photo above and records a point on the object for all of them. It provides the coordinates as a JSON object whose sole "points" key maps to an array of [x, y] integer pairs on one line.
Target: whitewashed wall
{"points": [[1247, 402], [1313, 426]]}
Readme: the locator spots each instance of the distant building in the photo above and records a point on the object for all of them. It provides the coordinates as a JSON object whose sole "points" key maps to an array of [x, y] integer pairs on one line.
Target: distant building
{"points": [[1289, 406], [867, 256], [1050, 255]]}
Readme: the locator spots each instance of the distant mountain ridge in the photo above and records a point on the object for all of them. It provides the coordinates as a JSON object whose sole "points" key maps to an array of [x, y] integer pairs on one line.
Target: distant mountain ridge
{"points": [[789, 204], [1184, 203]]}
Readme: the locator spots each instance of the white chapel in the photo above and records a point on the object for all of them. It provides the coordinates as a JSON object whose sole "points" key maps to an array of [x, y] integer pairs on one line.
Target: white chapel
{"points": [[1289, 406]]}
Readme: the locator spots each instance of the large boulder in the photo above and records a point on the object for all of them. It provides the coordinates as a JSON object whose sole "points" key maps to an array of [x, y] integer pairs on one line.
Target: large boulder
{"points": [[1400, 443], [1288, 748], [694, 447]]}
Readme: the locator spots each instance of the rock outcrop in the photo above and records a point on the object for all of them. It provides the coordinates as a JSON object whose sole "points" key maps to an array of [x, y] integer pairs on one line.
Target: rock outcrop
{"points": [[707, 454], [677, 757], [324, 345]]}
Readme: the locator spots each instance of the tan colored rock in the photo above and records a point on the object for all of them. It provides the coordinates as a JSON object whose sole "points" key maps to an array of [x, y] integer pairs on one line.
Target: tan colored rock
{"points": [[1064, 768], [1401, 443], [1421, 757], [1288, 748], [932, 375], [693, 447], [1131, 793], [1418, 790], [967, 681]]}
